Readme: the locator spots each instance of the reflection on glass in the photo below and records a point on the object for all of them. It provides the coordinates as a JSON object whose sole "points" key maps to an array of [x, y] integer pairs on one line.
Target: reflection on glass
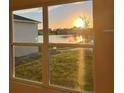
{"points": [[28, 64], [27, 25], [71, 68], [71, 23]]}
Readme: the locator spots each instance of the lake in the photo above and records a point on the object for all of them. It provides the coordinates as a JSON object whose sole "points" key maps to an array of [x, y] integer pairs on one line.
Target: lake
{"points": [[62, 39]]}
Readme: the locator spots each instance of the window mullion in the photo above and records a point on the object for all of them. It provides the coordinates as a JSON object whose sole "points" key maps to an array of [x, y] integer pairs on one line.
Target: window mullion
{"points": [[45, 67]]}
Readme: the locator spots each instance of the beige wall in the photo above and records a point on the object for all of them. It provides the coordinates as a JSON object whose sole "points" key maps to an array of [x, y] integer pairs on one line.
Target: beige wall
{"points": [[16, 87], [104, 46]]}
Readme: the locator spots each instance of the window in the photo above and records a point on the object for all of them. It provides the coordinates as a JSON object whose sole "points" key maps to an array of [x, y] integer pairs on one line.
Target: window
{"points": [[53, 45], [71, 67], [70, 64], [71, 23], [27, 49], [28, 63]]}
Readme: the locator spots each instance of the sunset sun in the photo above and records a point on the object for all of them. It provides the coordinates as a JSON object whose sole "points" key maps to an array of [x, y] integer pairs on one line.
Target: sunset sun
{"points": [[79, 23]]}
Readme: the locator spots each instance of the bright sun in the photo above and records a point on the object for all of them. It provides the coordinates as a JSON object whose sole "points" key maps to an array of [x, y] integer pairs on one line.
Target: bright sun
{"points": [[79, 23]]}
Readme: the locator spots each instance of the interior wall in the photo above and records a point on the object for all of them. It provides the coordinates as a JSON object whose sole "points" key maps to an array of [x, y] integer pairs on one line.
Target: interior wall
{"points": [[17, 87], [104, 46]]}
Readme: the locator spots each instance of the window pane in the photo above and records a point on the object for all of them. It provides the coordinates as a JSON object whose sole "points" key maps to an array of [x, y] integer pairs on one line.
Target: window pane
{"points": [[27, 25], [71, 23], [71, 68], [28, 63]]}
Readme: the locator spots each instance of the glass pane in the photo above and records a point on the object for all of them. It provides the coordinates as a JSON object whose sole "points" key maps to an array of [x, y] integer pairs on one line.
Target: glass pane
{"points": [[28, 63], [27, 25], [71, 23], [71, 68]]}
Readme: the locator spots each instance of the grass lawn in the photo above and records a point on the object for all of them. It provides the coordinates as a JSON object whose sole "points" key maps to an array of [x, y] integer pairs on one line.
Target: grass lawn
{"points": [[63, 70]]}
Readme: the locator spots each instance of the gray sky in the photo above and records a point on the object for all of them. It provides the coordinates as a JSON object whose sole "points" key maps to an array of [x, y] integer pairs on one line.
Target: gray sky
{"points": [[61, 16]]}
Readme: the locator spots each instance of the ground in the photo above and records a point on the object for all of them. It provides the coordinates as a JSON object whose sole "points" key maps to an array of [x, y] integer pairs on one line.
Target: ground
{"points": [[64, 69]]}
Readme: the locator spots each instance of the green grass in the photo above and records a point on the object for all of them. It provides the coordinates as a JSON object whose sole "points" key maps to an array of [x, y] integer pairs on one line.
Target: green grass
{"points": [[63, 70], [88, 71], [30, 71]]}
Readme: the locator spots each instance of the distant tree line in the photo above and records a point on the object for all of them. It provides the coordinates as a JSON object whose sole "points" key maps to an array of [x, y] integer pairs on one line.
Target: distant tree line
{"points": [[86, 33], [67, 31]]}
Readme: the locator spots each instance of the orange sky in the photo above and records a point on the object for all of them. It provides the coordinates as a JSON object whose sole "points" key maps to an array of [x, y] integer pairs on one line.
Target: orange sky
{"points": [[61, 16]]}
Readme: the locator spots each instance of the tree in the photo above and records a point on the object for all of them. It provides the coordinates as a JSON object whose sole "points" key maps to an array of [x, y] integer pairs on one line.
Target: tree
{"points": [[86, 33], [86, 21]]}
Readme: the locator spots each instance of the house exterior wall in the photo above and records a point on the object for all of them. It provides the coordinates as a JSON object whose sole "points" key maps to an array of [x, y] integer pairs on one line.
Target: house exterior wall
{"points": [[25, 50], [25, 32]]}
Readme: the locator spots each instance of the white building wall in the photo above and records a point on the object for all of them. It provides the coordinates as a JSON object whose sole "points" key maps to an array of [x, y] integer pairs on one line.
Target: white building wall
{"points": [[25, 32], [25, 50]]}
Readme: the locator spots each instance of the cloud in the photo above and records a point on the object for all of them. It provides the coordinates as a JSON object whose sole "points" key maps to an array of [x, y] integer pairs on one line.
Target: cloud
{"points": [[54, 7], [57, 6], [32, 10], [76, 3]]}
